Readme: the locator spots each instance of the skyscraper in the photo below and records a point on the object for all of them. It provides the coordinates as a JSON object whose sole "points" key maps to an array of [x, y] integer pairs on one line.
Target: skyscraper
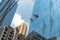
{"points": [[45, 18], [7, 11], [7, 33]]}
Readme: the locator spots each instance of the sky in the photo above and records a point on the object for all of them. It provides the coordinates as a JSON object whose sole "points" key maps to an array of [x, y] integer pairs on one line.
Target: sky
{"points": [[23, 12]]}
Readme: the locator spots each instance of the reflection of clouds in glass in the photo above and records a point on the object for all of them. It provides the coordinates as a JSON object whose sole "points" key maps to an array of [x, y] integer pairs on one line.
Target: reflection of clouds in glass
{"points": [[16, 20], [25, 8], [25, 5], [0, 1], [22, 2]]}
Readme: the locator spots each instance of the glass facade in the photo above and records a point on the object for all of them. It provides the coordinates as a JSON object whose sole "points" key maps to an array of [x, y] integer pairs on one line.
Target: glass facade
{"points": [[7, 11], [0, 1], [45, 18]]}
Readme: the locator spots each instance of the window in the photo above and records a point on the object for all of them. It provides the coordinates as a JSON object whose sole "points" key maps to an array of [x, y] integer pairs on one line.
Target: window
{"points": [[10, 35], [2, 38], [11, 32], [3, 35], [9, 38]]}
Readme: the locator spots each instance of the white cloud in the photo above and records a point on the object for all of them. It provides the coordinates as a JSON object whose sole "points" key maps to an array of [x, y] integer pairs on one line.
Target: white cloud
{"points": [[16, 20]]}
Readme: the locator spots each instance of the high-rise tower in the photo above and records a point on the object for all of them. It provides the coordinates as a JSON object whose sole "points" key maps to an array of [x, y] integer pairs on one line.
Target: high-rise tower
{"points": [[7, 11], [45, 18]]}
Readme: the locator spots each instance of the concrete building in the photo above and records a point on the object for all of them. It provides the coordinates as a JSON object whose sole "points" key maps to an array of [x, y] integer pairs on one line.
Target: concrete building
{"points": [[7, 11], [54, 38], [1, 29], [35, 36], [20, 32], [23, 28], [15, 34], [18, 36], [45, 18], [7, 33]]}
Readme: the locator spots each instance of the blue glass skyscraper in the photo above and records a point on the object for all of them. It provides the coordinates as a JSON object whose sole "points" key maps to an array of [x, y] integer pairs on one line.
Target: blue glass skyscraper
{"points": [[7, 11], [45, 18]]}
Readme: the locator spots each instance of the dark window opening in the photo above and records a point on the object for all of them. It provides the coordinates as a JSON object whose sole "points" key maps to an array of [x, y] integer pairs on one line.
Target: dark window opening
{"points": [[18, 38], [10, 35], [2, 38], [5, 33], [5, 29], [11, 32], [9, 38]]}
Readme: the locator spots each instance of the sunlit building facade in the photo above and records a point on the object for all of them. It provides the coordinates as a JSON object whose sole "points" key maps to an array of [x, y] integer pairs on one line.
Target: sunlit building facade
{"points": [[20, 32], [23, 28], [45, 18]]}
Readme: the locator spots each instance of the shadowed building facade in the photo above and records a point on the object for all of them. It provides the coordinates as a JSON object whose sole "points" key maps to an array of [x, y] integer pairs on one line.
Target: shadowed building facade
{"points": [[54, 38], [20, 32], [7, 33], [35, 36]]}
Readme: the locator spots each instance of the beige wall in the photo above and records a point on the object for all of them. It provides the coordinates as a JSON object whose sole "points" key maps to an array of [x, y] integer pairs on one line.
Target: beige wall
{"points": [[23, 28]]}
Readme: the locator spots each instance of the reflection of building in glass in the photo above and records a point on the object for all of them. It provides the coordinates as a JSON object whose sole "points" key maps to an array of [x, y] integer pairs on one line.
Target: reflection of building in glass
{"points": [[45, 18], [35, 36], [7, 11]]}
